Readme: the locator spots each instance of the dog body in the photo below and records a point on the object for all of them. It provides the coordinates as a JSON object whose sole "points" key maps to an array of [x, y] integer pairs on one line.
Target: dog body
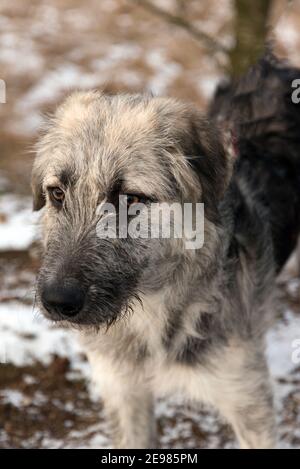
{"points": [[154, 317]]}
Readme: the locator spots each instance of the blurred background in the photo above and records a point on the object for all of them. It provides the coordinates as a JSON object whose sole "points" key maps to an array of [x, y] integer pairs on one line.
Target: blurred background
{"points": [[180, 48]]}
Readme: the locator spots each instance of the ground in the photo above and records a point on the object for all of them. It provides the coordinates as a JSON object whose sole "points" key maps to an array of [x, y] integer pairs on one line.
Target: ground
{"points": [[49, 48]]}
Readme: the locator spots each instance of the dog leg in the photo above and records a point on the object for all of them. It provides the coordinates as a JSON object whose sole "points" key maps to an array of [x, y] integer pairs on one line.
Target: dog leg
{"points": [[244, 397], [254, 425], [127, 401], [131, 419]]}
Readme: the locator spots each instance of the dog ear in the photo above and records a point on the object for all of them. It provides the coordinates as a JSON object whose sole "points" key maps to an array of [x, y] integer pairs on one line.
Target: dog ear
{"points": [[37, 189], [211, 153]]}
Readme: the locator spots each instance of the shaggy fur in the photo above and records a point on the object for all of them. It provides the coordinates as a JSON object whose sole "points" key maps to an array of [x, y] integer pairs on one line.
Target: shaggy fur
{"points": [[155, 317]]}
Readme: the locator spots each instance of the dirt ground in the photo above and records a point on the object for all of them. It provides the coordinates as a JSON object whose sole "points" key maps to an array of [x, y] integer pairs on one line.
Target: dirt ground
{"points": [[47, 49]]}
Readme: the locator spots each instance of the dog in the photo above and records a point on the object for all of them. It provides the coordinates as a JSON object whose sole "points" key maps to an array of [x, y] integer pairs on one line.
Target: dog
{"points": [[153, 316]]}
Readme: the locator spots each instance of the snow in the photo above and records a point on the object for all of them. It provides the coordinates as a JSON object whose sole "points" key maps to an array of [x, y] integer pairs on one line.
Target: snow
{"points": [[208, 85], [19, 228], [21, 55], [65, 77], [280, 344], [289, 33], [26, 337], [165, 72]]}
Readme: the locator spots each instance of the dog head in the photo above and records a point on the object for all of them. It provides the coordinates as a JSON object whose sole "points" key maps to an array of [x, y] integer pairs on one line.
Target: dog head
{"points": [[95, 149]]}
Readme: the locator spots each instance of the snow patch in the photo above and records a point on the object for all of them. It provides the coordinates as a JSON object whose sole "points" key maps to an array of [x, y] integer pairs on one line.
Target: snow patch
{"points": [[27, 337], [17, 222]]}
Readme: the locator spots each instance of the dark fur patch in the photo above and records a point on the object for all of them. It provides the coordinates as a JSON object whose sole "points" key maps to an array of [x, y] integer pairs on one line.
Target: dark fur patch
{"points": [[267, 122], [66, 177], [195, 349], [173, 327]]}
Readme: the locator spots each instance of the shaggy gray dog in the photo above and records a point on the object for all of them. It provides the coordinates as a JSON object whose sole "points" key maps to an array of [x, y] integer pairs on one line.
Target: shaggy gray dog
{"points": [[153, 316]]}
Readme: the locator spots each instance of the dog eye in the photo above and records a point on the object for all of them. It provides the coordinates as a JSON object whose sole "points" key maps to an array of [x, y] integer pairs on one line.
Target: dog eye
{"points": [[134, 199], [57, 195]]}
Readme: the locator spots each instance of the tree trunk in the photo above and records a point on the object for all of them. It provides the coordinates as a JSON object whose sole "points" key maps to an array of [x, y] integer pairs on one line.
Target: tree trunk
{"points": [[250, 27]]}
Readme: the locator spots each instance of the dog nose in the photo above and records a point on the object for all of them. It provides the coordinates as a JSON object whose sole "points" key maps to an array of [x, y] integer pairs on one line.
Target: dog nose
{"points": [[65, 298]]}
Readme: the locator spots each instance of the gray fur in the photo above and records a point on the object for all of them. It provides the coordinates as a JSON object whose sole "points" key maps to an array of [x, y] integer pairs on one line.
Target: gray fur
{"points": [[158, 318]]}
